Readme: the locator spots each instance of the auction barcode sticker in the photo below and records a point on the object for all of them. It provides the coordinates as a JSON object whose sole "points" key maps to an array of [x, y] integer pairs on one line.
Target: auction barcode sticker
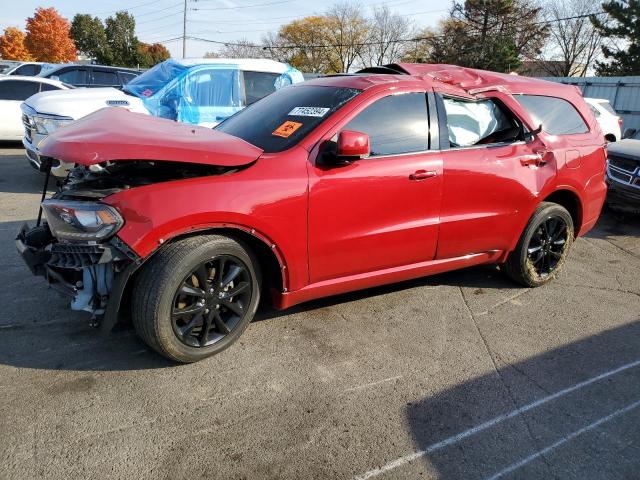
{"points": [[309, 111]]}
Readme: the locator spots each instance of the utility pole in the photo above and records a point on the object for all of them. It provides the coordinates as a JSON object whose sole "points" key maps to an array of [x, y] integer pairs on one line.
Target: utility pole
{"points": [[184, 31]]}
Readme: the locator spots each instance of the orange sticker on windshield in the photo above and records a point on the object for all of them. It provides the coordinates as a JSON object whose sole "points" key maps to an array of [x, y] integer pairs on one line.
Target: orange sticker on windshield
{"points": [[286, 129]]}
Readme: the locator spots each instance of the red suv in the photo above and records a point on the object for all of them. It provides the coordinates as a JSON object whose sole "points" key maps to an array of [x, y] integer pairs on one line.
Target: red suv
{"points": [[333, 185]]}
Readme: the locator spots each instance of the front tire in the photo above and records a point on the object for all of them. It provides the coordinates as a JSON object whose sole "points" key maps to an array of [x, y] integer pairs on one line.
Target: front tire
{"points": [[196, 296], [543, 247]]}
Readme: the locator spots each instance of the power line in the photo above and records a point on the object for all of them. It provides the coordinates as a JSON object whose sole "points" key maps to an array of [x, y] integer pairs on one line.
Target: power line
{"points": [[368, 43]]}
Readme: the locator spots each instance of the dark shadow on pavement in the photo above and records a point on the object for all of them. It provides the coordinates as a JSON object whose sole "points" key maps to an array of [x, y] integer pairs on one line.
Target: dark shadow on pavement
{"points": [[443, 426]]}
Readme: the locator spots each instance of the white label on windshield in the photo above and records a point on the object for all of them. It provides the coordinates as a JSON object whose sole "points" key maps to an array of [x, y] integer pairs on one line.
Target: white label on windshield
{"points": [[309, 111]]}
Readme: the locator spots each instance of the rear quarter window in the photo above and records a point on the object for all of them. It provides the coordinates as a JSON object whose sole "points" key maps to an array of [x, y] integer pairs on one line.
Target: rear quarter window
{"points": [[556, 115]]}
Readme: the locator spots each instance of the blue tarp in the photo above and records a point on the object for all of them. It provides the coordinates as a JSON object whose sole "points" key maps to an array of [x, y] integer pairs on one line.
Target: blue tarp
{"points": [[204, 93]]}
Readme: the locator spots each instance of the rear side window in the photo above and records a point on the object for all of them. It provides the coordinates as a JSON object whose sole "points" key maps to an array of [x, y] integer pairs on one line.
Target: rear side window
{"points": [[607, 106], [102, 77], [126, 77], [18, 89], [556, 115], [45, 87], [395, 124]]}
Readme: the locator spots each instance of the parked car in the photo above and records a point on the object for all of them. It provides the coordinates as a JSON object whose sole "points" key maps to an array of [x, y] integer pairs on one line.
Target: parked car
{"points": [[13, 91], [332, 185], [92, 76], [610, 122], [200, 91], [623, 172], [25, 69]]}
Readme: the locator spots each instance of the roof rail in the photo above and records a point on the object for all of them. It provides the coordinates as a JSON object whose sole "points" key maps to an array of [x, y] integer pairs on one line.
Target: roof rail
{"points": [[391, 69]]}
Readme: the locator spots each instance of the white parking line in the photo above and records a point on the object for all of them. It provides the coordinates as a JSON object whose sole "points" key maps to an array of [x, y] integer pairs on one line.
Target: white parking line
{"points": [[571, 436], [491, 423]]}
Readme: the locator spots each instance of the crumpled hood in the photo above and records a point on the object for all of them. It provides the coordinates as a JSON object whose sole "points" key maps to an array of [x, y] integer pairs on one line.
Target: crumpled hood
{"points": [[113, 134], [78, 102]]}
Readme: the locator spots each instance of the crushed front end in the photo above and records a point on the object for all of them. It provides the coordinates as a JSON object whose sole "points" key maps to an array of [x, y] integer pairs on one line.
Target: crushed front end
{"points": [[75, 247]]}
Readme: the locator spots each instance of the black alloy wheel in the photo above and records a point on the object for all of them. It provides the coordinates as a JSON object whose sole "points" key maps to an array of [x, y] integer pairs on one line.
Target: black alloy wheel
{"points": [[211, 301], [547, 245], [543, 247]]}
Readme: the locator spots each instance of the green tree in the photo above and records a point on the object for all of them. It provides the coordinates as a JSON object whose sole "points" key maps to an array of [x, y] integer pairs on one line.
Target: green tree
{"points": [[90, 37], [489, 34], [621, 28], [121, 39]]}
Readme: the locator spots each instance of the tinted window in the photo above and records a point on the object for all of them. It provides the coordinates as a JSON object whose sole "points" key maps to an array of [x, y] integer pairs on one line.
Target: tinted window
{"points": [[102, 77], [45, 87], [28, 70], [18, 89], [557, 116], [258, 85], [74, 76], [395, 124], [282, 119], [126, 77], [478, 123], [607, 106]]}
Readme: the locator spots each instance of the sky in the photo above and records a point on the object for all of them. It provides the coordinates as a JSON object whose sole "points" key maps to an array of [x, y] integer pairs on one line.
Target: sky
{"points": [[219, 20]]}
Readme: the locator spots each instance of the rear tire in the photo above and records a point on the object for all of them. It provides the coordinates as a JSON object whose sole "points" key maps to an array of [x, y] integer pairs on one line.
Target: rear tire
{"points": [[196, 296], [543, 247]]}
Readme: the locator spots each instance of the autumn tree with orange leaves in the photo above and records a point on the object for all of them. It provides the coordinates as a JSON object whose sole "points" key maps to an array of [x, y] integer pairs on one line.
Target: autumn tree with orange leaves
{"points": [[12, 45], [48, 37]]}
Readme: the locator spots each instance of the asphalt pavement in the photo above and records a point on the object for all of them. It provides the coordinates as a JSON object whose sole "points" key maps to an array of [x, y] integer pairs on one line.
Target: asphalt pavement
{"points": [[457, 376]]}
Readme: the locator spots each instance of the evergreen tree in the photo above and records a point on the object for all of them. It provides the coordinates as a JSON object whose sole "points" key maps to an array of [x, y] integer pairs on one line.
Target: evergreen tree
{"points": [[622, 54]]}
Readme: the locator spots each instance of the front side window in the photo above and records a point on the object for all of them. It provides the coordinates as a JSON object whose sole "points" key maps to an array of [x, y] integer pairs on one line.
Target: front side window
{"points": [[281, 120], [480, 122], [556, 115], [74, 76], [395, 124], [28, 70], [18, 89]]}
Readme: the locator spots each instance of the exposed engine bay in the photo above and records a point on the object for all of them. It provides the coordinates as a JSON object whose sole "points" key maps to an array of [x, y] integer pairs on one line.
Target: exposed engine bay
{"points": [[74, 247]]}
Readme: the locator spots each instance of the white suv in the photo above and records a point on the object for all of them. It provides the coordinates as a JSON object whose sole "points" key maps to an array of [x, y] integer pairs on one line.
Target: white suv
{"points": [[608, 119]]}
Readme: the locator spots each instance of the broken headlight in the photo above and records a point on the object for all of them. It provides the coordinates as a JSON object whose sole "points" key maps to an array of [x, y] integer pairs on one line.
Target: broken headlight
{"points": [[81, 221], [47, 124]]}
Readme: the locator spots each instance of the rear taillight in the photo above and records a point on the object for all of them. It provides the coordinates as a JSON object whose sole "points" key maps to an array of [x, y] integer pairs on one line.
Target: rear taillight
{"points": [[620, 122]]}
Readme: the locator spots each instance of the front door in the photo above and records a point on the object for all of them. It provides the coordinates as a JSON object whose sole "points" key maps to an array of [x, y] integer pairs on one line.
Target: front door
{"points": [[383, 211]]}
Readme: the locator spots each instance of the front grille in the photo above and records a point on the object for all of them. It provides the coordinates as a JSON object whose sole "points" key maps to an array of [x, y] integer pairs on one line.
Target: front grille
{"points": [[27, 126], [75, 256], [625, 164], [618, 175]]}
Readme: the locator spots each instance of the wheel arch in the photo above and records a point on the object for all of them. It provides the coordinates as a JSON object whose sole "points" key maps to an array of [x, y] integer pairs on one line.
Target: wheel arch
{"points": [[571, 201]]}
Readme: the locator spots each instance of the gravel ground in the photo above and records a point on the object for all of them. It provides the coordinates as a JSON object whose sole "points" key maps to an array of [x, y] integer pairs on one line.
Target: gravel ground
{"points": [[461, 375]]}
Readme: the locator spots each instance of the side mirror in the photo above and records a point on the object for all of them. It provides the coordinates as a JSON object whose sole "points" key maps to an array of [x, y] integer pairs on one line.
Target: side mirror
{"points": [[349, 146], [629, 133], [352, 145]]}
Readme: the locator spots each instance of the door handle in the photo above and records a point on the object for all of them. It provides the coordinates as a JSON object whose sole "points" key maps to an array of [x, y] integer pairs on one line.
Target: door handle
{"points": [[422, 175]]}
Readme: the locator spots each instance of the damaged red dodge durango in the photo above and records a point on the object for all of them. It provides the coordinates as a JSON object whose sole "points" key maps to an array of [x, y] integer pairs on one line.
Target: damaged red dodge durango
{"points": [[333, 185]]}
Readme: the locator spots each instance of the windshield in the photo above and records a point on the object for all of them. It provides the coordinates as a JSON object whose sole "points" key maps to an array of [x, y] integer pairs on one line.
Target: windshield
{"points": [[154, 79], [6, 66], [282, 119]]}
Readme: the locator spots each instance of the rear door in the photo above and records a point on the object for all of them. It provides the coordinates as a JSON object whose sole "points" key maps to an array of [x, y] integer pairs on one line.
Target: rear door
{"points": [[491, 174], [379, 212], [102, 77]]}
